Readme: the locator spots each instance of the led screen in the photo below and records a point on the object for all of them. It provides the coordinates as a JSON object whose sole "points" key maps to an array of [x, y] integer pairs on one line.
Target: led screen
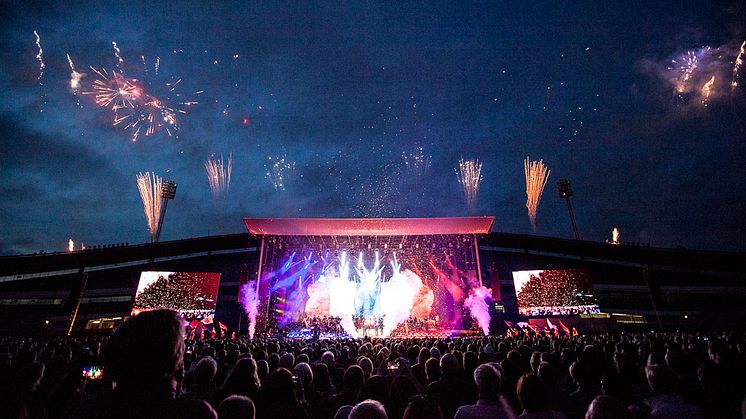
{"points": [[193, 294], [554, 292]]}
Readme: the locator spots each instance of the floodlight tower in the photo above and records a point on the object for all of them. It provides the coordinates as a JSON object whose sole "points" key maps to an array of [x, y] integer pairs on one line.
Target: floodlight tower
{"points": [[168, 191], [565, 191]]}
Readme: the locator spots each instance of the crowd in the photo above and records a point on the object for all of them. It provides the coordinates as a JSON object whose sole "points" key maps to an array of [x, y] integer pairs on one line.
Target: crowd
{"points": [[151, 371], [559, 310]]}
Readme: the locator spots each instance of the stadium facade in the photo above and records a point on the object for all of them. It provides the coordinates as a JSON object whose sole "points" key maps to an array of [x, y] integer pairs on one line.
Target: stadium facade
{"points": [[635, 287]]}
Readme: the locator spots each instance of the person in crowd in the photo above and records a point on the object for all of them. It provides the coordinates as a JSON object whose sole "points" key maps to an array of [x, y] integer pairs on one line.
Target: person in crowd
{"points": [[489, 404], [242, 379], [534, 397], [403, 388], [203, 386], [587, 389], [352, 382], [667, 403], [237, 407], [422, 408], [418, 369], [452, 389], [375, 388], [282, 397], [144, 358], [607, 407], [368, 409]]}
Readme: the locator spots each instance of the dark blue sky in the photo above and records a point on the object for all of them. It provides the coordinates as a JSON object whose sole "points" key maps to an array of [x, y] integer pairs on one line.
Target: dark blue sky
{"points": [[343, 90]]}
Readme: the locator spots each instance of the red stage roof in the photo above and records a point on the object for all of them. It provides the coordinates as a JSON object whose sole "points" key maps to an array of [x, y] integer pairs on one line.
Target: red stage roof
{"points": [[368, 226]]}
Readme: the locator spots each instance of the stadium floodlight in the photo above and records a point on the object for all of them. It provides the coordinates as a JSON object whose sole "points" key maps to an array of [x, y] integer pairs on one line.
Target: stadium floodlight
{"points": [[565, 191], [168, 192]]}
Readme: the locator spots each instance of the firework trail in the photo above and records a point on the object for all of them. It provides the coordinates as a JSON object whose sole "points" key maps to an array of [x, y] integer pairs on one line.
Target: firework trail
{"points": [[706, 89], [537, 175], [219, 176], [149, 186], [279, 172], [417, 163], [469, 175], [40, 57], [74, 75], [737, 65], [117, 54]]}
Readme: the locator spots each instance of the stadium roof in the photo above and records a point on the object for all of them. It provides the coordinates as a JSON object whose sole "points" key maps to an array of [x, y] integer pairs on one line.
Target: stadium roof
{"points": [[368, 226]]}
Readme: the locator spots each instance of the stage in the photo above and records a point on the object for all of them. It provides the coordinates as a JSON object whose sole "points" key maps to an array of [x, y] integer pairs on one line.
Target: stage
{"points": [[379, 277]]}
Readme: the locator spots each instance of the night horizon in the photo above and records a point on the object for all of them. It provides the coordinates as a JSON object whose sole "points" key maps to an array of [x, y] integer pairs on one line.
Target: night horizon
{"points": [[370, 108]]}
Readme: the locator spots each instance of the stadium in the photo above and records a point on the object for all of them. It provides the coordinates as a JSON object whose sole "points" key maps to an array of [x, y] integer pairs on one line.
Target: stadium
{"points": [[402, 277]]}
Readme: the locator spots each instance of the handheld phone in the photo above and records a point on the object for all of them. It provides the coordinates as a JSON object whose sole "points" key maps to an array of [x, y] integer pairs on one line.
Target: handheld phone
{"points": [[298, 388], [393, 365], [93, 372]]}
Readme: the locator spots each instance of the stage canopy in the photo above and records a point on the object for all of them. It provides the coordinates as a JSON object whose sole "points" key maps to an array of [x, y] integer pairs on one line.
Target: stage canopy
{"points": [[368, 226]]}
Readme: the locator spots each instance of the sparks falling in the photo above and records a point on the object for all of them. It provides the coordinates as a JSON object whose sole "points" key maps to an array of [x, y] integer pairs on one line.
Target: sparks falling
{"points": [[40, 57], [706, 89], [469, 176], [737, 65], [219, 176], [279, 172], [537, 175], [149, 186], [417, 163]]}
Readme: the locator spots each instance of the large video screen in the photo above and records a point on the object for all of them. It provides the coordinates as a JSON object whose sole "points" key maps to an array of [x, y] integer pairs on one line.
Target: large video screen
{"points": [[193, 294], [554, 292]]}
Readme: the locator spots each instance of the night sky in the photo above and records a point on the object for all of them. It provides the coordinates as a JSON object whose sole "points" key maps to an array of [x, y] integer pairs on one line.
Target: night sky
{"points": [[344, 90]]}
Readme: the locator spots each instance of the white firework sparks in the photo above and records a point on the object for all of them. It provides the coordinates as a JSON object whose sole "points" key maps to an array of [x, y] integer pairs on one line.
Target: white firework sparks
{"points": [[417, 162], [469, 176], [280, 171], [149, 185], [219, 176]]}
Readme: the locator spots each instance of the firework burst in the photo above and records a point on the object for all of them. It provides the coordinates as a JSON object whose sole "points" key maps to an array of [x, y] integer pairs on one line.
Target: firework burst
{"points": [[469, 174], [149, 185], [687, 68], [135, 104], [219, 176], [417, 163], [537, 175], [280, 171]]}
